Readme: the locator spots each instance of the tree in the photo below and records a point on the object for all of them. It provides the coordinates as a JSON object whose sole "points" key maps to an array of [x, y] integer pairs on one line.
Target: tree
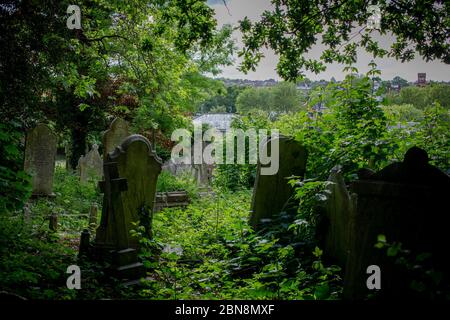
{"points": [[422, 97], [286, 97], [225, 100], [291, 28], [399, 81], [254, 98], [135, 58], [282, 98]]}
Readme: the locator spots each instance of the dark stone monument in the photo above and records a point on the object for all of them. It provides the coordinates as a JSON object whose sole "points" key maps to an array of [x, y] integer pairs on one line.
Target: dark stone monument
{"points": [[408, 203], [129, 187]]}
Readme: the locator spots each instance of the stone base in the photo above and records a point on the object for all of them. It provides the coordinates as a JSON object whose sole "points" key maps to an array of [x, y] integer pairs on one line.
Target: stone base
{"points": [[41, 195], [125, 264]]}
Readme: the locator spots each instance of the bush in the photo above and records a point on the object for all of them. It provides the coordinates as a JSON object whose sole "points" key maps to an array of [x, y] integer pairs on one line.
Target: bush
{"points": [[15, 185], [167, 182]]}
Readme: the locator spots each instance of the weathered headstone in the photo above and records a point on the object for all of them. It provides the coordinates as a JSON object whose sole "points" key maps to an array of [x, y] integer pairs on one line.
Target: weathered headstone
{"points": [[90, 166], [40, 154], [408, 203], [271, 192], [93, 212], [131, 173], [113, 137], [338, 209], [202, 173]]}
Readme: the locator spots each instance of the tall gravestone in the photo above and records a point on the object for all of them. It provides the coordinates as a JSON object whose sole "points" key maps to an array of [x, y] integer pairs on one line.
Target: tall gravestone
{"points": [[408, 203], [113, 137], [90, 166], [129, 188], [40, 154], [338, 209], [271, 192]]}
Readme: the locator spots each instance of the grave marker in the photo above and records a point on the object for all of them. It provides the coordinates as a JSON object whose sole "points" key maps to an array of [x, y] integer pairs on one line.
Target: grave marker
{"points": [[271, 192], [90, 166], [40, 154], [113, 137]]}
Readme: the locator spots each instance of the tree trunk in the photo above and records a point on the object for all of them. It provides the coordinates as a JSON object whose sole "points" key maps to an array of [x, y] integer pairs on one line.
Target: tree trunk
{"points": [[78, 146]]}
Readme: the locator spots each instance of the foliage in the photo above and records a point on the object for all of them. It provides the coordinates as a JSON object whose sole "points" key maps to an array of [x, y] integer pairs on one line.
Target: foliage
{"points": [[31, 264], [253, 98], [208, 251], [120, 63], [291, 28], [226, 100], [402, 113], [431, 134], [34, 259], [422, 97], [240, 176], [425, 281], [168, 182], [14, 182], [282, 98], [343, 126]]}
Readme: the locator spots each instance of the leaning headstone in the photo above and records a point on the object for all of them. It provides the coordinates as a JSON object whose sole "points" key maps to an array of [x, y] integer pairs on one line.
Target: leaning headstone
{"points": [[338, 209], [131, 173], [40, 154], [408, 203], [272, 192], [113, 137], [90, 166]]}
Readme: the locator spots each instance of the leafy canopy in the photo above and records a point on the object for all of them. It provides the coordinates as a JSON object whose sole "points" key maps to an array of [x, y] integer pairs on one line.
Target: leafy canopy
{"points": [[293, 27]]}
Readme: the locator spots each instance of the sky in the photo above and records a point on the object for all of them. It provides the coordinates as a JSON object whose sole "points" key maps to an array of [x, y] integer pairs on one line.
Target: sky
{"points": [[238, 9]]}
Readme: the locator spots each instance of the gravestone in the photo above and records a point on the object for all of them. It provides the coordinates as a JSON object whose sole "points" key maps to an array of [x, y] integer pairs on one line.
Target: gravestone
{"points": [[170, 200], [408, 203], [202, 173], [40, 155], [271, 192], [113, 137], [337, 210], [90, 166], [131, 173], [93, 211]]}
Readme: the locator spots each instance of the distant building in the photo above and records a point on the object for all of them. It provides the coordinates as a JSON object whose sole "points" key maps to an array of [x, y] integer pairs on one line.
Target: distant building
{"points": [[219, 121], [249, 83], [303, 86], [421, 79]]}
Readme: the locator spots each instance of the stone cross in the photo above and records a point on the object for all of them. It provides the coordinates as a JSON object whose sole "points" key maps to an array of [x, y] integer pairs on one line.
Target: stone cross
{"points": [[111, 186], [40, 154], [129, 188]]}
